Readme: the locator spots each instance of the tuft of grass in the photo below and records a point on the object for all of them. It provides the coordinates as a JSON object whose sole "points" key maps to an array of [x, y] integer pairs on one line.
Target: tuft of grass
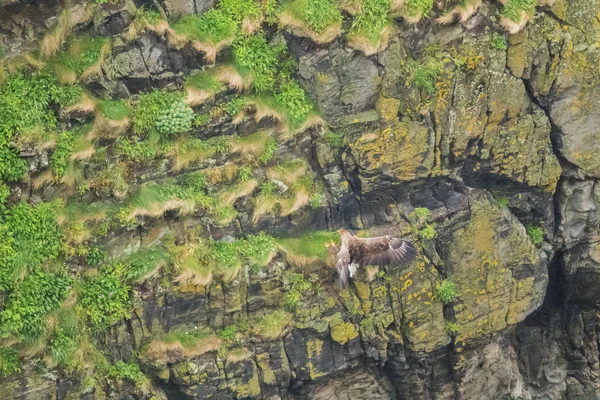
{"points": [[446, 291], [418, 8], [372, 20], [275, 324], [424, 74], [187, 338], [212, 27], [127, 371], [536, 234], [115, 110], [310, 245], [146, 262], [514, 9], [83, 56], [317, 14]]}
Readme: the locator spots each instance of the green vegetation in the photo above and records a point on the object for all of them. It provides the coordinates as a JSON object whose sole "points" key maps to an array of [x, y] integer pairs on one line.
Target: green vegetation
{"points": [[446, 291], [536, 234], [428, 232], [63, 151], [212, 27], [420, 213], [187, 338], [272, 325], [335, 140], [513, 9], [420, 8], [254, 57], [149, 109], [498, 42], [32, 299], [311, 245], [502, 201], [452, 328], [145, 261], [105, 300], [115, 110], [128, 371], [239, 10], [372, 20], [177, 119], [9, 361], [424, 74], [82, 54], [317, 14], [297, 287], [291, 97]]}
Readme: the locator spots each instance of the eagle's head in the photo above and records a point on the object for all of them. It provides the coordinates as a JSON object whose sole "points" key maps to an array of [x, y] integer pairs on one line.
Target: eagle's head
{"points": [[344, 233]]}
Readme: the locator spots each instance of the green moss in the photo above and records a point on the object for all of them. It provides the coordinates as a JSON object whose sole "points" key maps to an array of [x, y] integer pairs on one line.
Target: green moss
{"points": [[115, 110], [514, 8], [272, 325], [187, 338]]}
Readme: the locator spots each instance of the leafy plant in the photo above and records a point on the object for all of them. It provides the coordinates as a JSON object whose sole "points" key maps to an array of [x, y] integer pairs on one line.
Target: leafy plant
{"points": [[235, 106], [292, 98], [536, 234], [335, 140], [452, 327], [296, 289], [115, 110], [150, 107], [62, 152], [428, 232], [498, 42], [316, 201], [446, 291], [105, 300], [30, 302], [420, 213], [269, 151], [239, 10], [419, 7], [129, 371], [317, 14], [254, 56], [9, 361], [178, 118]]}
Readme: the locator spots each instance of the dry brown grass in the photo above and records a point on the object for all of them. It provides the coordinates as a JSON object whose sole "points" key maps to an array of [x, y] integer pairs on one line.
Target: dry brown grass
{"points": [[220, 174], [299, 28], [183, 156], [36, 139], [237, 355], [239, 190], [96, 69], [460, 13], [54, 39], [365, 45], [86, 105], [299, 199], [211, 50], [352, 7], [106, 128], [195, 97], [287, 176], [251, 25], [231, 77], [252, 144], [158, 209], [313, 121], [42, 179], [263, 205]]}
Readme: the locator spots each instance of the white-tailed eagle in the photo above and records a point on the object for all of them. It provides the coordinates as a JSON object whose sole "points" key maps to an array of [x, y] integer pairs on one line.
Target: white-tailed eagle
{"points": [[376, 251]]}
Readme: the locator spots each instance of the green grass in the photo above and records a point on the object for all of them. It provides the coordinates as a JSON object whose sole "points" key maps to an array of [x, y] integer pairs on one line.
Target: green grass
{"points": [[187, 338], [213, 26], [498, 42], [239, 10], [254, 57], [424, 74], [513, 9], [317, 14], [446, 291], [536, 234], [310, 245], [9, 361], [297, 288], [372, 20], [144, 261], [127, 371], [206, 81], [82, 53], [115, 110], [272, 325], [419, 7]]}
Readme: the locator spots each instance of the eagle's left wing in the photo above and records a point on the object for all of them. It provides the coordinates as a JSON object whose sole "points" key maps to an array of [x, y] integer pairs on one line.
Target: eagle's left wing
{"points": [[385, 250], [343, 263]]}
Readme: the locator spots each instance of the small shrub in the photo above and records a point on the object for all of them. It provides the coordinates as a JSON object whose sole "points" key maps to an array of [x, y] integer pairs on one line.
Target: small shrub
{"points": [[150, 107], [419, 7], [95, 255], [536, 234], [316, 201], [269, 151], [292, 98], [452, 328], [239, 10], [62, 152], [129, 371], [335, 140], [498, 42], [235, 106], [9, 361], [420, 213], [428, 232], [445, 291], [105, 300], [27, 306], [317, 14], [177, 119], [297, 287], [255, 57]]}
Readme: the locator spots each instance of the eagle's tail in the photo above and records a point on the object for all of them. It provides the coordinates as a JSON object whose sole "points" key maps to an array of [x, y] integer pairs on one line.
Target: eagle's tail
{"points": [[344, 273]]}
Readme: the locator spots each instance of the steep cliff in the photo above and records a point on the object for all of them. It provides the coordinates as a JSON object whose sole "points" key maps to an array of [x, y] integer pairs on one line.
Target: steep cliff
{"points": [[174, 171]]}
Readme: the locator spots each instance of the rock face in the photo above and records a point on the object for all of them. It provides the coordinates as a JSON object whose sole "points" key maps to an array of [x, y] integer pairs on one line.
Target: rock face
{"points": [[506, 140]]}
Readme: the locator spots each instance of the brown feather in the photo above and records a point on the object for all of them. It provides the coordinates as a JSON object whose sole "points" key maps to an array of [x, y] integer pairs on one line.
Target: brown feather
{"points": [[377, 251]]}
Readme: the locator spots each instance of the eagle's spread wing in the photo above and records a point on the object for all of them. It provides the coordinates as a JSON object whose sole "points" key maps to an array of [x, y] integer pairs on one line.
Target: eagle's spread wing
{"points": [[383, 250], [343, 263]]}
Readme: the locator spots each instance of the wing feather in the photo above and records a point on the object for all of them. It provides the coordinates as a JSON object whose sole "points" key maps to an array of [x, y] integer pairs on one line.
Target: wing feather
{"points": [[384, 250]]}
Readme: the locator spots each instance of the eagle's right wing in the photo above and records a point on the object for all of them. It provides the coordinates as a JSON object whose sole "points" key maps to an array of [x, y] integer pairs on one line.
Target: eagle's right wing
{"points": [[386, 250], [342, 264]]}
